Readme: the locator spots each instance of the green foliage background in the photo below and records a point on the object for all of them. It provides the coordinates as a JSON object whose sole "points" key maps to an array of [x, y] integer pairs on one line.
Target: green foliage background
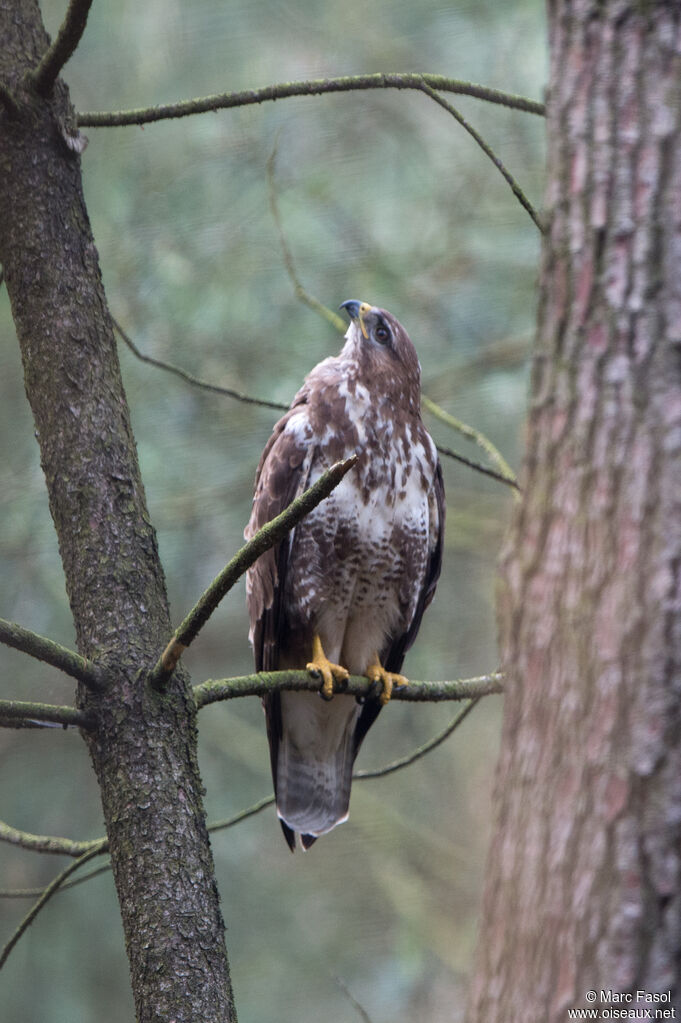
{"points": [[383, 198]]}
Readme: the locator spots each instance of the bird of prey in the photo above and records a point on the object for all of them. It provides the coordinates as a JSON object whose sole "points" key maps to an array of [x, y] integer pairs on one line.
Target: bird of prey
{"points": [[345, 592]]}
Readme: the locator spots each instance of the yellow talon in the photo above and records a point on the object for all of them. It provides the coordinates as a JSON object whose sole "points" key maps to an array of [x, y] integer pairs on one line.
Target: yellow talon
{"points": [[329, 671], [376, 673]]}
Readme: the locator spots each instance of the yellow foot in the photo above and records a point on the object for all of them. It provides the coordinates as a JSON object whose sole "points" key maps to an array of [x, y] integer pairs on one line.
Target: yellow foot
{"points": [[377, 673], [329, 671]]}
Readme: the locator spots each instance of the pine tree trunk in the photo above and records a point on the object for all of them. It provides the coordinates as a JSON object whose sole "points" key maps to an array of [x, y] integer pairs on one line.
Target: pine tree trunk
{"points": [[583, 891], [144, 746]]}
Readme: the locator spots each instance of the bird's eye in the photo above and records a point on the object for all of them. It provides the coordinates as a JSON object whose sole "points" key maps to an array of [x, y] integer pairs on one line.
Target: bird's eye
{"points": [[382, 334]]}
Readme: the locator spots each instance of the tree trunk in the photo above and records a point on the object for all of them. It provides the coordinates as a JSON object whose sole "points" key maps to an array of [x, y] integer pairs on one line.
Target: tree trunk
{"points": [[144, 745], [583, 891]]}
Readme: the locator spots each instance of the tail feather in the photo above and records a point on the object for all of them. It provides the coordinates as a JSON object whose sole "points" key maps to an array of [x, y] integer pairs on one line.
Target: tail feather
{"points": [[314, 764]]}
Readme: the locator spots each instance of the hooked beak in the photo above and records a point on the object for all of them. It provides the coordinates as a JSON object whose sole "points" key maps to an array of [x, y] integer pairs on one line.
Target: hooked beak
{"points": [[356, 311]]}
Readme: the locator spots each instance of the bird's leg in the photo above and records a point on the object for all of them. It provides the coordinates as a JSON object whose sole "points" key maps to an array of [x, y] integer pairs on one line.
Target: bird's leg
{"points": [[376, 673], [329, 671]]}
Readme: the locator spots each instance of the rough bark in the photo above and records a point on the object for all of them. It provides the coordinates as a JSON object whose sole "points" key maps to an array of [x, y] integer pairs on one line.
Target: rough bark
{"points": [[144, 746], [584, 878]]}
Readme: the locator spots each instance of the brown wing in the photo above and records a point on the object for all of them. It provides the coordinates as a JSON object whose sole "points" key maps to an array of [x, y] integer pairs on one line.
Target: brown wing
{"points": [[392, 656], [281, 475]]}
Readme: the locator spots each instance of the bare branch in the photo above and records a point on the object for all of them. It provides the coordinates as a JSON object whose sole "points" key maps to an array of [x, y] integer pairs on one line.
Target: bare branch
{"points": [[314, 304], [214, 690], [316, 87], [189, 377], [421, 751], [50, 652], [12, 711], [63, 47], [515, 187], [318, 307], [242, 815], [472, 434], [68, 847], [485, 470], [48, 843], [364, 1015], [53, 887], [34, 893], [267, 537]]}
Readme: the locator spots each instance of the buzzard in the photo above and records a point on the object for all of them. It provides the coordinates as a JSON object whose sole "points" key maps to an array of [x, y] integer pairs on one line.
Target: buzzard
{"points": [[345, 592]]}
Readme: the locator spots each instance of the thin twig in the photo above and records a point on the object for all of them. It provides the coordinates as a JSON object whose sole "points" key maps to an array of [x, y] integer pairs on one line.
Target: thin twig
{"points": [[472, 434], [263, 682], [50, 652], [267, 537], [242, 815], [189, 377], [20, 710], [46, 843], [318, 307], [510, 481], [515, 187], [255, 808], [316, 87], [353, 1001], [53, 887], [34, 893], [421, 751], [62, 49]]}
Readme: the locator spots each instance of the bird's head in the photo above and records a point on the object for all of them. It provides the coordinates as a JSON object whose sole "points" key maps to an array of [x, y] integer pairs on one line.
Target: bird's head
{"points": [[383, 350]]}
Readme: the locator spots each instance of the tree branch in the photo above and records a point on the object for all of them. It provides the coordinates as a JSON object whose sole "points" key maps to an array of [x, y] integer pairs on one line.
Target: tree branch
{"points": [[189, 377], [313, 303], [267, 537], [420, 751], [472, 434], [214, 690], [510, 481], [50, 652], [45, 897], [316, 87], [68, 847], [19, 710], [63, 47], [318, 307], [34, 893], [48, 843], [515, 187]]}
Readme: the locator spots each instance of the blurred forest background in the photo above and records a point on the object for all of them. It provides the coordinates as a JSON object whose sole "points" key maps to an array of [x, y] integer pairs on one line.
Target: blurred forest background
{"points": [[383, 198]]}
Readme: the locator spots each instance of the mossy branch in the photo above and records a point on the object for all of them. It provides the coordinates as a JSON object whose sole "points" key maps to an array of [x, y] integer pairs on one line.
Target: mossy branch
{"points": [[267, 537], [20, 710], [48, 843], [62, 49], [50, 652], [315, 87], [265, 682]]}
